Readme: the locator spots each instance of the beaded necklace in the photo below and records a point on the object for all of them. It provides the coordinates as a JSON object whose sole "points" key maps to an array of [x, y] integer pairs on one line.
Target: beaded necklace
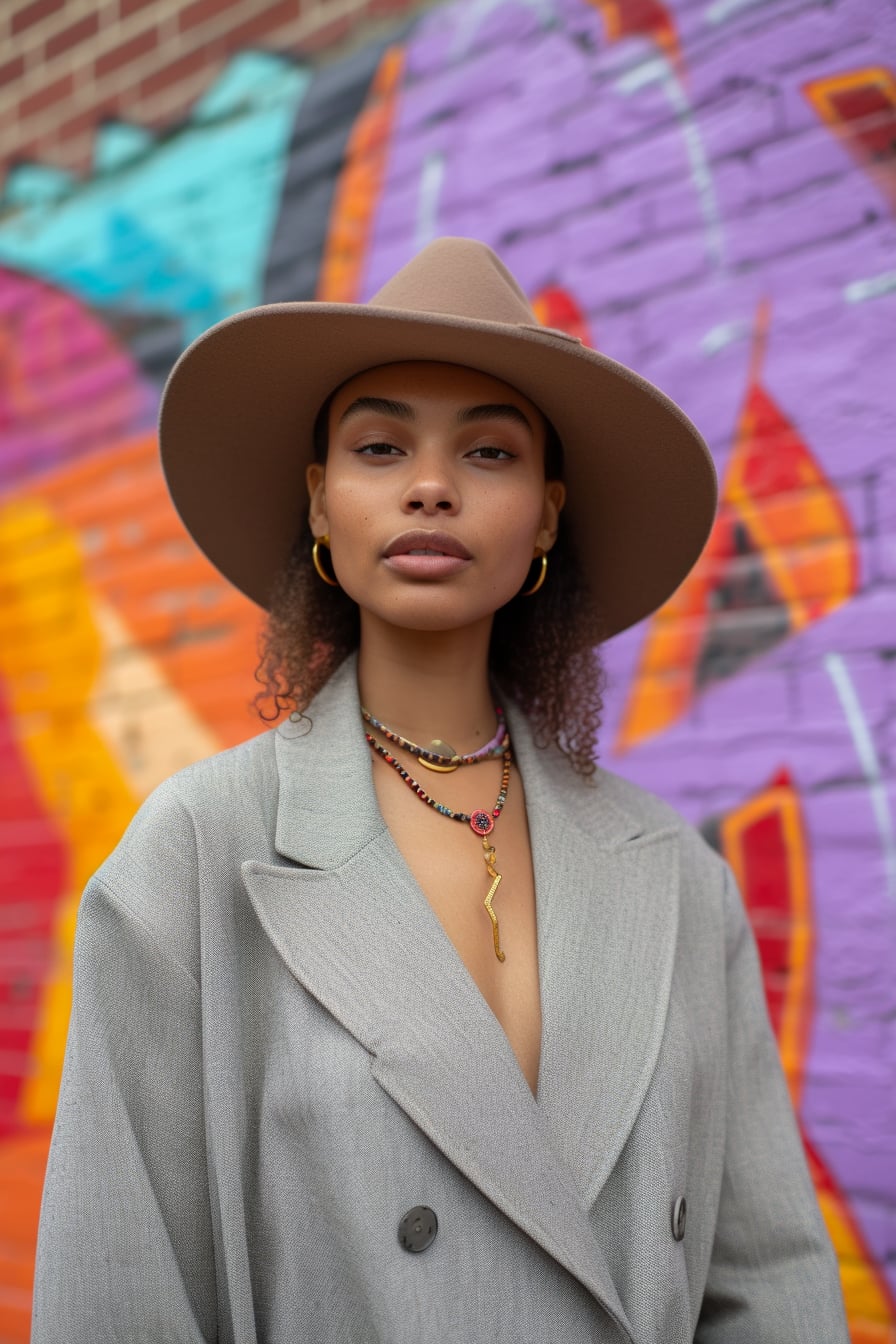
{"points": [[438, 755], [479, 820]]}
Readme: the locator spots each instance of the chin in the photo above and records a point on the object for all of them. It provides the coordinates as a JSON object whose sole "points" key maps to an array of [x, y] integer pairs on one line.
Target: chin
{"points": [[430, 609]]}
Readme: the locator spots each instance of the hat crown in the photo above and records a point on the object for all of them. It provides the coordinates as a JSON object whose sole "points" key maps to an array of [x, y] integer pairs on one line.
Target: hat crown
{"points": [[457, 277]]}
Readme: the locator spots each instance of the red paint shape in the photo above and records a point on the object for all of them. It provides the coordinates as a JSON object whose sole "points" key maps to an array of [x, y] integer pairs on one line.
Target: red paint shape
{"points": [[32, 882], [767, 897], [556, 307]]}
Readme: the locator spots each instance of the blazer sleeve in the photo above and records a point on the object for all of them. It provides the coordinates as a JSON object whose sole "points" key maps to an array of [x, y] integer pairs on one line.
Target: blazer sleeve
{"points": [[125, 1244], [773, 1276]]}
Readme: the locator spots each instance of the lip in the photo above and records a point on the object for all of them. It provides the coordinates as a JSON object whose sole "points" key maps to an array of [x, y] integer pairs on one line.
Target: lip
{"points": [[425, 539]]}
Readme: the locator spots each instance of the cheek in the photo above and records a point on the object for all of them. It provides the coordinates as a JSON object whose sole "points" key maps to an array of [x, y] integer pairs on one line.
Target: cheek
{"points": [[511, 528], [349, 515]]}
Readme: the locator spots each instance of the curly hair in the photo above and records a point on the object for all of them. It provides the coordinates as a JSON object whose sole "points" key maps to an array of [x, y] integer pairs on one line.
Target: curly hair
{"points": [[544, 650]]}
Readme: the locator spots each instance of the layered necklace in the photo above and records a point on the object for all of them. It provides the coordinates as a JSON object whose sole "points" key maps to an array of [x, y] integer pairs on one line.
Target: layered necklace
{"points": [[439, 756]]}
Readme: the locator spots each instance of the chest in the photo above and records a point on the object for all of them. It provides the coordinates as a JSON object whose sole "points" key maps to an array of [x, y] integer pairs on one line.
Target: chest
{"points": [[456, 873]]}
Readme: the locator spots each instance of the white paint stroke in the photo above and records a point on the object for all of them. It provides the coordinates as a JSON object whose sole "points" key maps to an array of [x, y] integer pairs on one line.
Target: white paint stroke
{"points": [[653, 70], [659, 70], [725, 333], [721, 10], [474, 12], [863, 742], [860, 290], [432, 176], [700, 169]]}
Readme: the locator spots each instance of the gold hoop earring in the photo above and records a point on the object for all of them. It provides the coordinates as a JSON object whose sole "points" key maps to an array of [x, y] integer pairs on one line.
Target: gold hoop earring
{"points": [[542, 556], [316, 561]]}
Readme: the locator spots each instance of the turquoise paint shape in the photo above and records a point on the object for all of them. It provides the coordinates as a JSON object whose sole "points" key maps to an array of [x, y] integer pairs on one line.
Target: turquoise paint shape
{"points": [[35, 184], [117, 143], [184, 230]]}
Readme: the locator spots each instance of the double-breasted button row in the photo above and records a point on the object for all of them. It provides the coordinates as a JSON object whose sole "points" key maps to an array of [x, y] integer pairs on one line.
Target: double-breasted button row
{"points": [[417, 1229]]}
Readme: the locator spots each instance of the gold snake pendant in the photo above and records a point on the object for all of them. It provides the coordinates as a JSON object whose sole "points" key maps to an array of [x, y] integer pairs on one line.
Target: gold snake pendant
{"points": [[489, 851]]}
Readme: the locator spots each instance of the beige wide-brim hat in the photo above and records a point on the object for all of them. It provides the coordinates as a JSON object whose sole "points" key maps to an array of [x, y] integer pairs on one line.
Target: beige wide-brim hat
{"points": [[240, 404]]}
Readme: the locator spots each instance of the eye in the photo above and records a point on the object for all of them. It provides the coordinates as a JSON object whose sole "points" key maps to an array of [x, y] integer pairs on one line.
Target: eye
{"points": [[489, 452], [378, 450]]}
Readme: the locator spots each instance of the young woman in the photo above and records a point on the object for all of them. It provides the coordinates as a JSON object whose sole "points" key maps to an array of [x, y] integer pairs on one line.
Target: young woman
{"points": [[401, 1022]]}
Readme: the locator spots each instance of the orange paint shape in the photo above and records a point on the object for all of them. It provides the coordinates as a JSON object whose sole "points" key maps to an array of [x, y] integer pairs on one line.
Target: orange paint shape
{"points": [[22, 1163], [859, 106], [777, 500], [641, 18], [138, 557], [360, 185], [792, 513]]}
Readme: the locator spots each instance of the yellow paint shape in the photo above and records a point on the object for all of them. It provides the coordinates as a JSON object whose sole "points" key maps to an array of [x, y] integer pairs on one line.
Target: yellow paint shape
{"points": [[50, 653]]}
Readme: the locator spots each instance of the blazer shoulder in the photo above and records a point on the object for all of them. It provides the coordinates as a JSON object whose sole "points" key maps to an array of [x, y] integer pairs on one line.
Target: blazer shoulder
{"points": [[648, 813], [187, 826], [226, 777]]}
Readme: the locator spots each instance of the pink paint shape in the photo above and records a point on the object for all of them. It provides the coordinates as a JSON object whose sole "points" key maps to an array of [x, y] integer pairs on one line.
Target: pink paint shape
{"points": [[66, 387]]}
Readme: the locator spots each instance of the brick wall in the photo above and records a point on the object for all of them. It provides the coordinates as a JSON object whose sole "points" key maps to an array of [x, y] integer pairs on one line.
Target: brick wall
{"points": [[706, 194], [65, 65]]}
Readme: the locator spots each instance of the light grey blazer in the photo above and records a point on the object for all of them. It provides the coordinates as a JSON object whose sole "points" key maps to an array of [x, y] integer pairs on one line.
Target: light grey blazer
{"points": [[275, 1053]]}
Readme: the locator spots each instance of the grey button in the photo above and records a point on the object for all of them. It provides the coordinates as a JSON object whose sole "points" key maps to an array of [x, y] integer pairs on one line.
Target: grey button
{"points": [[418, 1229], [679, 1217]]}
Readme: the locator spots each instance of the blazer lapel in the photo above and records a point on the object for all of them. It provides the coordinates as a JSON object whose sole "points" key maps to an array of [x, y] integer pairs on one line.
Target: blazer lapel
{"points": [[357, 932], [607, 892]]}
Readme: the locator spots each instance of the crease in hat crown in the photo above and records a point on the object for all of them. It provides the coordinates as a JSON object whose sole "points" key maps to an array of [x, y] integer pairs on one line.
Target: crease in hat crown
{"points": [[457, 277]]}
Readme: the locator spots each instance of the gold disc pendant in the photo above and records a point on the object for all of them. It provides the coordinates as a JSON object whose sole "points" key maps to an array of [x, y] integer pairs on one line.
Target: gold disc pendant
{"points": [[440, 748]]}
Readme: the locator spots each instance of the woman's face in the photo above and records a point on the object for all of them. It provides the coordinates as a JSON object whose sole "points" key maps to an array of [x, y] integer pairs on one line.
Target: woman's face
{"points": [[433, 493]]}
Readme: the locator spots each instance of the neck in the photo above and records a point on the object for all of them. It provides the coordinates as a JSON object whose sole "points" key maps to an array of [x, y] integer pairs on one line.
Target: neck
{"points": [[428, 684]]}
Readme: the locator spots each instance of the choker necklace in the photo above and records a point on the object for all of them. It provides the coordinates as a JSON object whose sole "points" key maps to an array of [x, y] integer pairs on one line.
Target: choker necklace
{"points": [[480, 821], [438, 755]]}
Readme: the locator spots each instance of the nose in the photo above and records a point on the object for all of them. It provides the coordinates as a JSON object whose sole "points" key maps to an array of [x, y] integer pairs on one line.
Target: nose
{"points": [[431, 491]]}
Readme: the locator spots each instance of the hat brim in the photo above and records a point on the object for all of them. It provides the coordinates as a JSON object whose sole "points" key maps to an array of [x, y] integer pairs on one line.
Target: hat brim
{"points": [[239, 407]]}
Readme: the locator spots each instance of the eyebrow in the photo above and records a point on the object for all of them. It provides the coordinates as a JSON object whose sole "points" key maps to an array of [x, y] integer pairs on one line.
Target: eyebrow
{"points": [[497, 411], [400, 410]]}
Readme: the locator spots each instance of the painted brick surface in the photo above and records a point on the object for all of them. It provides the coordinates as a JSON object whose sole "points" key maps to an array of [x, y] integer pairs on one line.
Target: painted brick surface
{"points": [[708, 193]]}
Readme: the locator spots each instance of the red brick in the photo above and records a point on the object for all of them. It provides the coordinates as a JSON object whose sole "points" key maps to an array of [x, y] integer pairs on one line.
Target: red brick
{"points": [[173, 72], [329, 34], [261, 26], [27, 151], [74, 152], [81, 31], [83, 123], [12, 70], [33, 13], [140, 45], [46, 96], [387, 9], [200, 11]]}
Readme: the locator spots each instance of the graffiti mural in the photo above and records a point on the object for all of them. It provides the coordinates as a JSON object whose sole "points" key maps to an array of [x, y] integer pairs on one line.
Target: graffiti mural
{"points": [[706, 193]]}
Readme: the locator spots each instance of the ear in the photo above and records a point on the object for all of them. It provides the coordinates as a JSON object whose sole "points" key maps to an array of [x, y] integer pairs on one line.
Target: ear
{"points": [[317, 507], [554, 499]]}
